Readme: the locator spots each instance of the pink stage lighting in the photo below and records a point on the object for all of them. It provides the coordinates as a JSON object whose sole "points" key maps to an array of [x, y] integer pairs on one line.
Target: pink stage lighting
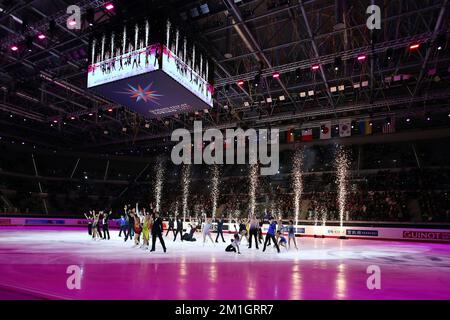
{"points": [[41, 36], [361, 58], [414, 46], [14, 48], [315, 67], [109, 6]]}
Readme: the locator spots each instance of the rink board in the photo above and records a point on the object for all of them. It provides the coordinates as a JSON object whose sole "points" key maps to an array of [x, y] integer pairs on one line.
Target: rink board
{"points": [[371, 233]]}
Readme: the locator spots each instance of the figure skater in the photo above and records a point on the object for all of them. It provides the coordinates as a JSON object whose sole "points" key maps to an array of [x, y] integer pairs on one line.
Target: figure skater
{"points": [[136, 227], [95, 218], [179, 229], [146, 231], [207, 231], [171, 226], [234, 246], [100, 224], [253, 231], [106, 224], [243, 229], [89, 219], [260, 233], [130, 218], [281, 240], [291, 234], [220, 223], [157, 230], [271, 235], [123, 224]]}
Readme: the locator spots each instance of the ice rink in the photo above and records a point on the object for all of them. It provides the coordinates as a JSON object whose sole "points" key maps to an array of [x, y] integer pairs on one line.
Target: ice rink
{"points": [[34, 261]]}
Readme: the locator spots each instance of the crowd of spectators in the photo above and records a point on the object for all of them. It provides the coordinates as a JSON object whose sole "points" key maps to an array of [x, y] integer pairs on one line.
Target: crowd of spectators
{"points": [[386, 184]]}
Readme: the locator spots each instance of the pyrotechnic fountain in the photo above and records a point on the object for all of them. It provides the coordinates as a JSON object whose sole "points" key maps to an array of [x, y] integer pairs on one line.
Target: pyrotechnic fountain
{"points": [[185, 182], [297, 181], [253, 182], [342, 167], [159, 183], [214, 189]]}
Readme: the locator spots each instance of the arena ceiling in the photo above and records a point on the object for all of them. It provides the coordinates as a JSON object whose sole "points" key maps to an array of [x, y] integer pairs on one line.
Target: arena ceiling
{"points": [[264, 54]]}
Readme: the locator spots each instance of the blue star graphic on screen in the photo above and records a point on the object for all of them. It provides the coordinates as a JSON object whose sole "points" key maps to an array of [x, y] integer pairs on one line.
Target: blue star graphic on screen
{"points": [[143, 94]]}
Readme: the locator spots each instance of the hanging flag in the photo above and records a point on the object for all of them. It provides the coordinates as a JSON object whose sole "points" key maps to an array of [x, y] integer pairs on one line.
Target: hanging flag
{"points": [[389, 126], [297, 135], [345, 128], [325, 130], [307, 135], [365, 127]]}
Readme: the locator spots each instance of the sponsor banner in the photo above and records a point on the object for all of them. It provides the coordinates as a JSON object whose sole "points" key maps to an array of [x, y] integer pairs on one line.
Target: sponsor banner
{"points": [[5, 222], [426, 235], [299, 230], [439, 235], [42, 221], [365, 233]]}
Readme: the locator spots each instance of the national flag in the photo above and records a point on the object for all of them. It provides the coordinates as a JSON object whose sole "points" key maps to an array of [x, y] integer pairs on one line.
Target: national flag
{"points": [[365, 127], [345, 128], [307, 135], [325, 130], [298, 135], [389, 126]]}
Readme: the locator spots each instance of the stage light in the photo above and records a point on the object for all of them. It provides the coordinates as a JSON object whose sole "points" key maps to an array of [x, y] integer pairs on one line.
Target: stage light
{"points": [[276, 75], [109, 6], [90, 16], [72, 22], [29, 43], [408, 120], [90, 114], [441, 41], [72, 118], [257, 79], [315, 67], [55, 121], [389, 53], [337, 63], [41, 36], [361, 58], [110, 109], [240, 82], [14, 48], [414, 46]]}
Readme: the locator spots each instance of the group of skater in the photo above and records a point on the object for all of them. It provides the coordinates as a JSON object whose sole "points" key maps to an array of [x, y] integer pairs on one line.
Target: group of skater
{"points": [[139, 225], [252, 229]]}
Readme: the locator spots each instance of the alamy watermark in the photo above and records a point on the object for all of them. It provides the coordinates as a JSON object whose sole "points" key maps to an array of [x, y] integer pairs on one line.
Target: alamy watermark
{"points": [[73, 22], [213, 153], [374, 20], [74, 279], [374, 280]]}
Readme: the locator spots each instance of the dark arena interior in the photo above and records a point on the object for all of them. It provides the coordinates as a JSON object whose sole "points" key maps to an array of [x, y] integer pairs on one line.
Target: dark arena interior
{"points": [[224, 150]]}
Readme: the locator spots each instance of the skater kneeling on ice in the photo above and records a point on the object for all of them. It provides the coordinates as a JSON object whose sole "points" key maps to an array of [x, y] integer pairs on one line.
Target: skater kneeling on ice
{"points": [[234, 246], [281, 240], [189, 236]]}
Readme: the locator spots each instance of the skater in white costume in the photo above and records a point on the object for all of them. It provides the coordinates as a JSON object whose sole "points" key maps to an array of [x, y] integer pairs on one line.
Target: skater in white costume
{"points": [[207, 231]]}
